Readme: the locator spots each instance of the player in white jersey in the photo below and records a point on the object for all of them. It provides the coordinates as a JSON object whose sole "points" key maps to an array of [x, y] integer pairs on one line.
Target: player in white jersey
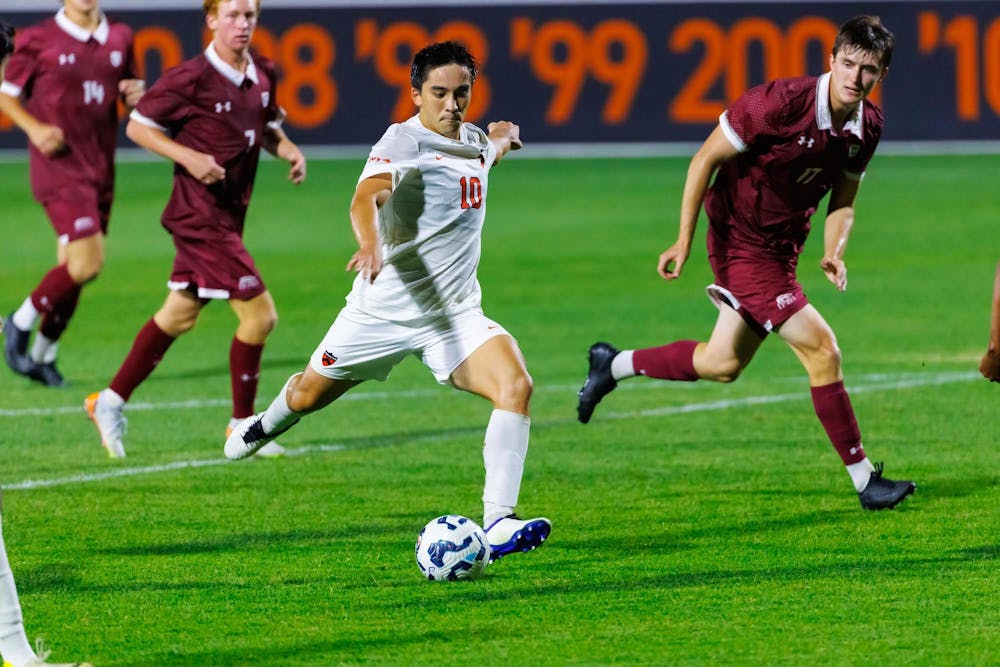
{"points": [[417, 214]]}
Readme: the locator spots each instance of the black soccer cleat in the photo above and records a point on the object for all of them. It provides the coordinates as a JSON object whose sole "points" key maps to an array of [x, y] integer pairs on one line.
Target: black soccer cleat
{"points": [[599, 381], [882, 493], [15, 348], [47, 374]]}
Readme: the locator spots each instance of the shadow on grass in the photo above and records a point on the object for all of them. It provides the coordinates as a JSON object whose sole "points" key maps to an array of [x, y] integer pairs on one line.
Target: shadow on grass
{"points": [[258, 541], [350, 649]]}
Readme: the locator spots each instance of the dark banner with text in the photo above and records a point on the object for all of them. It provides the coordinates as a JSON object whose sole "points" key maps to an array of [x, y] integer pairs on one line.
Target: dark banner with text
{"points": [[614, 72]]}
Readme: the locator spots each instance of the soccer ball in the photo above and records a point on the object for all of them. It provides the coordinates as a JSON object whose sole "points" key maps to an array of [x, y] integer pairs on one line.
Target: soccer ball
{"points": [[452, 547]]}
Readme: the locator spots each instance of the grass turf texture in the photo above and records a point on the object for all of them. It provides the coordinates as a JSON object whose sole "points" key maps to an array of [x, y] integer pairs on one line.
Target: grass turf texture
{"points": [[693, 523]]}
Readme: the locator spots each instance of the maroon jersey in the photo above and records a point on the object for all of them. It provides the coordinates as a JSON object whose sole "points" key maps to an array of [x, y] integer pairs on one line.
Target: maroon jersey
{"points": [[69, 77], [791, 155], [209, 106]]}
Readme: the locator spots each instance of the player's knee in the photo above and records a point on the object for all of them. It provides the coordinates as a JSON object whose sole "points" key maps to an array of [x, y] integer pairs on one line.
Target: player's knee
{"points": [[267, 322], [516, 390], [181, 325], [724, 370], [85, 269], [829, 355]]}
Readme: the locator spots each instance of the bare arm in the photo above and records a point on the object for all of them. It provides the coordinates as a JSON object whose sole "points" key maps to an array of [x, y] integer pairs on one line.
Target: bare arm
{"points": [[990, 365], [716, 150], [370, 194], [200, 165], [277, 143], [48, 139], [505, 136], [837, 229]]}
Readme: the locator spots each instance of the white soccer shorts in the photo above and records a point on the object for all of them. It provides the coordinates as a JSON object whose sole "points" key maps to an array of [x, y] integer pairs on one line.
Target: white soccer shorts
{"points": [[361, 347]]}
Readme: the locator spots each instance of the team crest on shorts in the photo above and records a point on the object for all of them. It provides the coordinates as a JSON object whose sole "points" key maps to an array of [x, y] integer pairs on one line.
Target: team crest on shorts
{"points": [[328, 359], [84, 223], [116, 58], [248, 282], [784, 300]]}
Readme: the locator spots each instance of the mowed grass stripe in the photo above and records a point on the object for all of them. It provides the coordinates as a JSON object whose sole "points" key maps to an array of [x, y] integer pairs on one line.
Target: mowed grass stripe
{"points": [[930, 380]]}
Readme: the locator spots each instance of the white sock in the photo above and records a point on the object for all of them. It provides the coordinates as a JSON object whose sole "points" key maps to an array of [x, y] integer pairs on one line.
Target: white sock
{"points": [[278, 415], [111, 398], [43, 350], [504, 449], [24, 318], [860, 473], [14, 644], [621, 365]]}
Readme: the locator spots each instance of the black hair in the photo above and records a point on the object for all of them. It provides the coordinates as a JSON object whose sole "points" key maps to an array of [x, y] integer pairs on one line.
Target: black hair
{"points": [[436, 55], [6, 39], [867, 34]]}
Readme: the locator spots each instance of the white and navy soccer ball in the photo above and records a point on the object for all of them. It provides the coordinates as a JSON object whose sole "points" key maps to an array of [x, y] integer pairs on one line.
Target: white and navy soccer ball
{"points": [[452, 547]]}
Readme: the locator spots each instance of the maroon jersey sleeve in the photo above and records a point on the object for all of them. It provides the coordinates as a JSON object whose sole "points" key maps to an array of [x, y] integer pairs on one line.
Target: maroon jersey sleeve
{"points": [[23, 63], [275, 114], [757, 114], [168, 102]]}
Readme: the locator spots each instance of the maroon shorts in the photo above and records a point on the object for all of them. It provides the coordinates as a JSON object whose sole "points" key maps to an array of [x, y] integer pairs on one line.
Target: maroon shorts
{"points": [[78, 213], [763, 290], [216, 268]]}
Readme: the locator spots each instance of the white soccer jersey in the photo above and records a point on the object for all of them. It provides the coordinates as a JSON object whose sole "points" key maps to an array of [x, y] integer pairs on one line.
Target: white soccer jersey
{"points": [[431, 226]]}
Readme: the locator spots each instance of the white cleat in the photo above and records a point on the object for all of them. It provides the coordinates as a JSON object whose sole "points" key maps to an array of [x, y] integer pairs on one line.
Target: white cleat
{"points": [[110, 422], [511, 534], [271, 450], [248, 438]]}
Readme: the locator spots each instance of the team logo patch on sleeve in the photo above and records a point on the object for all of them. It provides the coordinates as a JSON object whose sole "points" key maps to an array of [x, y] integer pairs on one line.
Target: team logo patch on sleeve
{"points": [[328, 359]]}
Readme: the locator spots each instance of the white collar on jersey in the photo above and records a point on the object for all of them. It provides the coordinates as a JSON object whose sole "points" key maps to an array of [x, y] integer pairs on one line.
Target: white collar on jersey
{"points": [[470, 144], [81, 34], [824, 116], [227, 70]]}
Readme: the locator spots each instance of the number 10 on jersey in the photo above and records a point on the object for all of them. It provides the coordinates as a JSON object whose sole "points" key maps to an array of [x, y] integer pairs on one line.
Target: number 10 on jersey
{"points": [[472, 192]]}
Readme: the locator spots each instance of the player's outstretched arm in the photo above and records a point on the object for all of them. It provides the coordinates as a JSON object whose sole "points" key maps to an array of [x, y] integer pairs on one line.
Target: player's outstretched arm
{"points": [[201, 166], [48, 139], [990, 365], [837, 229], [277, 143], [716, 150], [506, 136], [370, 194]]}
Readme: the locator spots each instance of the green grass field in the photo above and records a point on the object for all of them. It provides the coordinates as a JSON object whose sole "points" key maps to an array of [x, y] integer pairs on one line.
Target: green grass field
{"points": [[693, 523]]}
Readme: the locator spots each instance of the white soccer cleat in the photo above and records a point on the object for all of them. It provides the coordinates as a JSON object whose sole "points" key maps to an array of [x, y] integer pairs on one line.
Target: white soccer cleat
{"points": [[511, 534], [110, 423], [271, 450]]}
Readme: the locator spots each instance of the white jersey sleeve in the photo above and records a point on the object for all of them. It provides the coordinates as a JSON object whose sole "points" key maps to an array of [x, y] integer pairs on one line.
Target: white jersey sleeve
{"points": [[395, 154]]}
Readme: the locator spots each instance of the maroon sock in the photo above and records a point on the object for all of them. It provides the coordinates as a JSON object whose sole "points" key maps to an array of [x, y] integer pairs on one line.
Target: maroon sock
{"points": [[54, 323], [670, 362], [244, 371], [55, 286], [833, 407], [151, 343]]}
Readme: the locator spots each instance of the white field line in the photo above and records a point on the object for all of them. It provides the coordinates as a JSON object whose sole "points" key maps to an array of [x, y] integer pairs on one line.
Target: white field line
{"points": [[149, 470], [907, 382], [202, 403]]}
